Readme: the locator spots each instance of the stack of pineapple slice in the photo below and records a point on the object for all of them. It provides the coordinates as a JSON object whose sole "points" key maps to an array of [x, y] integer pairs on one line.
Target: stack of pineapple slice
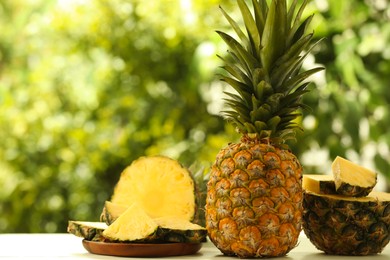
{"points": [[153, 202], [342, 215]]}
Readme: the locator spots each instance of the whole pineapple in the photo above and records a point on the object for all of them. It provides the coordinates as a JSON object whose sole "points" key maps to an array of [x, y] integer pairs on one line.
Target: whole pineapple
{"points": [[254, 194]]}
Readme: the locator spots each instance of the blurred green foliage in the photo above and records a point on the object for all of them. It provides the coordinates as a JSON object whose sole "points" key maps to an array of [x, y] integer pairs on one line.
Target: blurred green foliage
{"points": [[88, 86]]}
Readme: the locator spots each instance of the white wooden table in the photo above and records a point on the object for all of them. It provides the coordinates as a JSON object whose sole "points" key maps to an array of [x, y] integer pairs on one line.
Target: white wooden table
{"points": [[67, 246]]}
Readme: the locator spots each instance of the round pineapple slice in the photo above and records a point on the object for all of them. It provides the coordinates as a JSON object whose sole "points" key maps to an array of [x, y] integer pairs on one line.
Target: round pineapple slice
{"points": [[160, 185], [343, 225]]}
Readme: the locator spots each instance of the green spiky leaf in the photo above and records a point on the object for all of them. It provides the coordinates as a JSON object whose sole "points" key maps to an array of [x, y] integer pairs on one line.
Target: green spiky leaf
{"points": [[265, 68], [250, 26], [274, 31], [235, 27]]}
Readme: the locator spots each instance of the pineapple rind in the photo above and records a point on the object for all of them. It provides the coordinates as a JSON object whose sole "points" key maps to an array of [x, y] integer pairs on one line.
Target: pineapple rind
{"points": [[342, 225], [86, 229], [347, 189], [181, 236]]}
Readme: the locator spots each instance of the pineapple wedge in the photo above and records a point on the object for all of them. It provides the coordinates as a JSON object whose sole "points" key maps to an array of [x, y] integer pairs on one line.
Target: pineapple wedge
{"points": [[173, 229], [86, 229], [319, 183], [161, 185], [352, 179], [134, 224], [170, 228]]}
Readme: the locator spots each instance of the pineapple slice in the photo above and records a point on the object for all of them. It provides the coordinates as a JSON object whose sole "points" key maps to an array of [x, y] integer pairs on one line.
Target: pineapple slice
{"points": [[173, 229], [170, 229], [352, 179], [88, 230], [111, 212], [319, 183], [134, 224], [177, 224], [160, 184]]}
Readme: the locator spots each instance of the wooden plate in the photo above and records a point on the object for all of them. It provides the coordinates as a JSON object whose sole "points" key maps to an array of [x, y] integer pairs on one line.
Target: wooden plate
{"points": [[141, 250]]}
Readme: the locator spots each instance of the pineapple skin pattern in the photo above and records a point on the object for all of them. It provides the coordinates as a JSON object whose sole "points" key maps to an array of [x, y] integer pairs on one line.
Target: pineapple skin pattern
{"points": [[339, 226], [254, 202]]}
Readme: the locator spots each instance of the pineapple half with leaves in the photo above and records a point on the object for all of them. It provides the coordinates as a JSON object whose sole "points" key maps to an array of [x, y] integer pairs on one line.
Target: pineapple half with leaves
{"points": [[254, 197]]}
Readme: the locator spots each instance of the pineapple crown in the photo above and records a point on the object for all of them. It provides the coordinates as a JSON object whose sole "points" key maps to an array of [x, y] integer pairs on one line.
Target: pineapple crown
{"points": [[264, 68]]}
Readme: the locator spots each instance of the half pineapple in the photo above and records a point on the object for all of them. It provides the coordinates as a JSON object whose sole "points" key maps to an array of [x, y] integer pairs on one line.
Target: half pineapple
{"points": [[254, 200], [161, 185], [339, 218], [342, 225]]}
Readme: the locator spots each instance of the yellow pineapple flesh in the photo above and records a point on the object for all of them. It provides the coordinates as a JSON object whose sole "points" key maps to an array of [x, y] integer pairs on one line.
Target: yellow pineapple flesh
{"points": [[161, 185], [134, 224]]}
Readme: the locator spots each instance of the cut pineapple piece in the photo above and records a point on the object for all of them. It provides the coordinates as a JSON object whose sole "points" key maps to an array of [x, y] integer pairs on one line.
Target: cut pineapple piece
{"points": [[111, 212], [170, 229], [352, 179], [173, 229], [134, 224], [319, 183], [88, 230], [177, 224], [160, 184]]}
